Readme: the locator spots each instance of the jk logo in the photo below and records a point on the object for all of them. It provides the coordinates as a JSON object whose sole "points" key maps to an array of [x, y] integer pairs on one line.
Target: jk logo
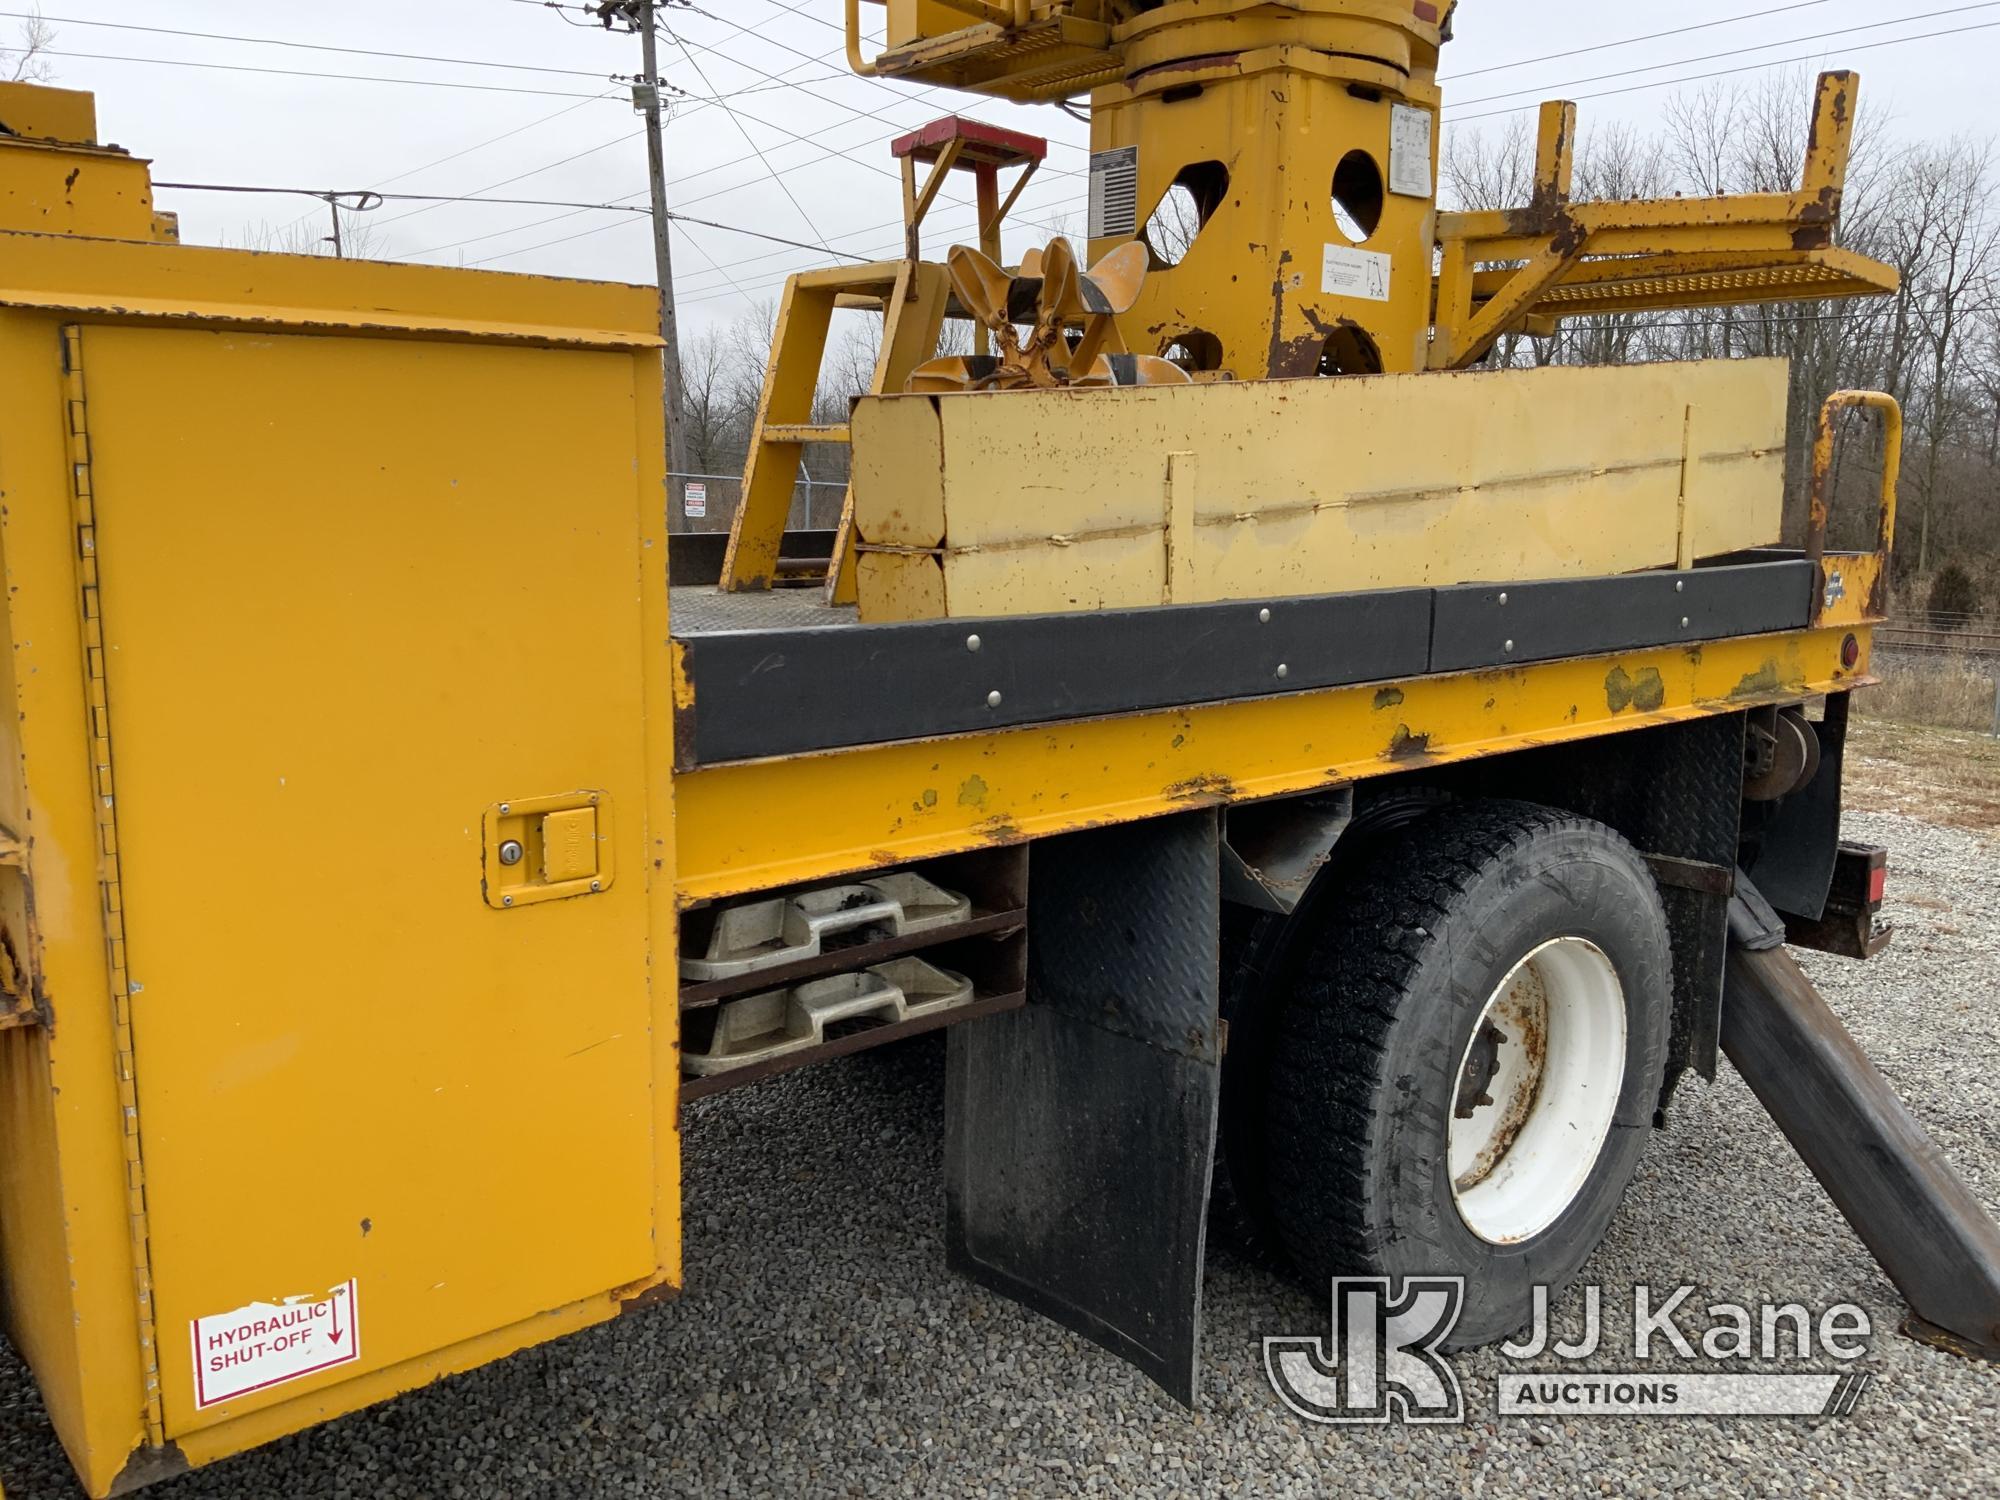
{"points": [[1382, 1360]]}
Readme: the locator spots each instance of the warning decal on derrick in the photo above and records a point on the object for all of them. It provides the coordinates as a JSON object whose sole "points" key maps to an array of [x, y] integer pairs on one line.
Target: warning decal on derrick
{"points": [[1355, 273], [1114, 193], [270, 1343]]}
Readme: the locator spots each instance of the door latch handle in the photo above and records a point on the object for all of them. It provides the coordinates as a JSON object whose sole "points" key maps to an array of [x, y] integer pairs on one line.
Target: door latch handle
{"points": [[547, 848]]}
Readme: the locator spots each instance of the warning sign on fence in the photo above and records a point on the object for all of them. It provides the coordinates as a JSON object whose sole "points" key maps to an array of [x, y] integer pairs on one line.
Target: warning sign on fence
{"points": [[270, 1343], [694, 498]]}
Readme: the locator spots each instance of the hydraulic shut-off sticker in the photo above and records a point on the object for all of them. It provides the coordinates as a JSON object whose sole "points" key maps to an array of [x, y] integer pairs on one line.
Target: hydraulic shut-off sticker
{"points": [[271, 1343]]}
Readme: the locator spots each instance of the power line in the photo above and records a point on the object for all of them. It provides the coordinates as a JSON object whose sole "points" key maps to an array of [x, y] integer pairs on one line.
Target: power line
{"points": [[841, 104], [1043, 206], [816, 250], [507, 135], [477, 146], [545, 244], [244, 187], [1782, 62], [271, 41], [906, 94], [704, 197], [1686, 62], [821, 152], [675, 182], [439, 200], [909, 91], [818, 146], [594, 24], [696, 246], [742, 129], [826, 151], [689, 177], [426, 83], [1633, 41], [496, 234], [531, 172], [888, 250], [491, 141], [896, 248], [755, 234]]}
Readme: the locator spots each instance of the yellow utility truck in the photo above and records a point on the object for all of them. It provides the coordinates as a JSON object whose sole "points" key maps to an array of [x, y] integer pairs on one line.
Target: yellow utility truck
{"points": [[1326, 781]]}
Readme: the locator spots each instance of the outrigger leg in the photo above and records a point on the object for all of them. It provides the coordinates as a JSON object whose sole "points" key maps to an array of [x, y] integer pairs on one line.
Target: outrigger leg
{"points": [[1924, 1226]]}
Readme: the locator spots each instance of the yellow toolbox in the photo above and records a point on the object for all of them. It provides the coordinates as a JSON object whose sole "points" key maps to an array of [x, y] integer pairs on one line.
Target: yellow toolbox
{"points": [[362, 560]]}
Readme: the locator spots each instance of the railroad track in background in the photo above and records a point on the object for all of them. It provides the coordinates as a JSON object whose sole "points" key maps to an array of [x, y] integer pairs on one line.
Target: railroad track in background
{"points": [[1929, 641]]}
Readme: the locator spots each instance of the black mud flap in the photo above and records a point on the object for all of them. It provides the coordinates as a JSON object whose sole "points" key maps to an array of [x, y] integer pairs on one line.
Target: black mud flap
{"points": [[1080, 1129], [1800, 844]]}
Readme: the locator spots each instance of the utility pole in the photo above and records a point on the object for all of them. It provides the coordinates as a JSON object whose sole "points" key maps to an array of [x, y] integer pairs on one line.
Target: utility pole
{"points": [[648, 91]]}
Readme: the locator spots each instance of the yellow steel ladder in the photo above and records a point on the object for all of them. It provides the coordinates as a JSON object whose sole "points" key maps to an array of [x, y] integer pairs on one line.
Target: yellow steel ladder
{"points": [[912, 295]]}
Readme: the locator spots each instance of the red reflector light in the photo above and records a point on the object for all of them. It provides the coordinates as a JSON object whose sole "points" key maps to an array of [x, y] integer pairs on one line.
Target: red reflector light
{"points": [[1878, 882], [1850, 652]]}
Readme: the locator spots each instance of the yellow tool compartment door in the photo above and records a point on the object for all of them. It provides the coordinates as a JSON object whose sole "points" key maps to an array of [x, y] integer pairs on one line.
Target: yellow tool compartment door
{"points": [[364, 626]]}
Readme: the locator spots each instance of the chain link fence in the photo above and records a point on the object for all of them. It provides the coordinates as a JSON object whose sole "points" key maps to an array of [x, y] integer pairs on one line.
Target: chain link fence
{"points": [[1938, 668], [707, 502]]}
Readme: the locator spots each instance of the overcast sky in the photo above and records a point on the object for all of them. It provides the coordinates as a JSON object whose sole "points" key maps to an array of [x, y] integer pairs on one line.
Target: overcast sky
{"points": [[801, 149]]}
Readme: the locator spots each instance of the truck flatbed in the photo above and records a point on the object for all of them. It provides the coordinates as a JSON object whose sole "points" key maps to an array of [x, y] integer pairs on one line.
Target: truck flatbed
{"points": [[696, 610], [808, 748]]}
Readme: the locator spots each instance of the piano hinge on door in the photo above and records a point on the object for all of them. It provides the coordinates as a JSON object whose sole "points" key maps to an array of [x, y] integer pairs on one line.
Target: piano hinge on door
{"points": [[97, 706]]}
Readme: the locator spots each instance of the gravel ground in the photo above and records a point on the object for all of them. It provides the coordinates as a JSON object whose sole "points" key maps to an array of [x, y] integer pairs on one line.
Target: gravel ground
{"points": [[822, 1348]]}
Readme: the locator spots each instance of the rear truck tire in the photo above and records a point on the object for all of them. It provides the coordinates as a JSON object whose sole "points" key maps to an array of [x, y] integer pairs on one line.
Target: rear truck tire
{"points": [[1260, 957], [1464, 1069]]}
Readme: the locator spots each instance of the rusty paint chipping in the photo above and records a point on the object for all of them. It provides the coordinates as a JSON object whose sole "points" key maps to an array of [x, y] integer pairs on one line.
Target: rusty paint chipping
{"points": [[1646, 692], [1405, 745], [1765, 680], [1207, 788]]}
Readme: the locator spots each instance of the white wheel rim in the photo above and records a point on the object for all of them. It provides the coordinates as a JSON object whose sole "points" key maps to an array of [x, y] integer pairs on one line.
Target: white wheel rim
{"points": [[1520, 1160]]}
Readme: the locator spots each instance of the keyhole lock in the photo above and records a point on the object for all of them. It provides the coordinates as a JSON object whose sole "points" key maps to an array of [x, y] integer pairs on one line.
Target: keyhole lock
{"points": [[510, 852]]}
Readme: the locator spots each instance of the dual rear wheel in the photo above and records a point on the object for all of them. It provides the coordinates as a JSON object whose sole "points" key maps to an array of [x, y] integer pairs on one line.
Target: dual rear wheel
{"points": [[1450, 1065]]}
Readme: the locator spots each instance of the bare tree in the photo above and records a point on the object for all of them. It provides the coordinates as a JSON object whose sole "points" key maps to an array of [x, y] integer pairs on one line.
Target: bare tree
{"points": [[1478, 171], [849, 367], [1481, 170], [1173, 226], [1950, 196], [1614, 162], [748, 339], [712, 417], [298, 237], [309, 235], [28, 61], [359, 238]]}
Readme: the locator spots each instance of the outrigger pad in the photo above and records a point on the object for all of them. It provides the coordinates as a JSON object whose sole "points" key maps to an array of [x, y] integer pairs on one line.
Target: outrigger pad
{"points": [[1080, 1129]]}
